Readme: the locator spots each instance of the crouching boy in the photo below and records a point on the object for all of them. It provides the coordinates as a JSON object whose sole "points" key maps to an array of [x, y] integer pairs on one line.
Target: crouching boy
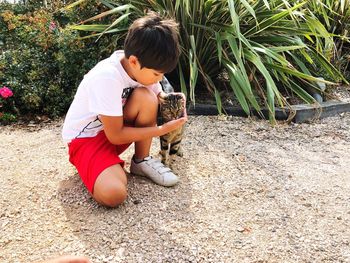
{"points": [[116, 104]]}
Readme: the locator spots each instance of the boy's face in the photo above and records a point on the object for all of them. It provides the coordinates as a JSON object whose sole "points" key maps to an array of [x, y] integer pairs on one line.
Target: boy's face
{"points": [[145, 76]]}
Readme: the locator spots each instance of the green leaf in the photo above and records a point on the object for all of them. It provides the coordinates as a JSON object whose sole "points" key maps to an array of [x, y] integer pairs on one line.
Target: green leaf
{"points": [[218, 101], [193, 68], [272, 20], [301, 64], [182, 80], [236, 74], [111, 31], [115, 10], [249, 8], [302, 93], [234, 17], [298, 74], [94, 28], [70, 6], [239, 94], [327, 65], [219, 45], [272, 90], [117, 21]]}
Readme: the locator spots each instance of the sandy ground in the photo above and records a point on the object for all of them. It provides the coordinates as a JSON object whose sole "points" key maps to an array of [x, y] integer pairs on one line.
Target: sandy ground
{"points": [[249, 192]]}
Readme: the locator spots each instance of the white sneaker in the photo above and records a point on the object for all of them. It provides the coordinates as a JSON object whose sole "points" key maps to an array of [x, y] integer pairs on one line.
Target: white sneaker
{"points": [[155, 170]]}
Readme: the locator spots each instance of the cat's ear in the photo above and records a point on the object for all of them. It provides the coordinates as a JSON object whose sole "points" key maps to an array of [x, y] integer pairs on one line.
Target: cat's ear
{"points": [[182, 97], [162, 96]]}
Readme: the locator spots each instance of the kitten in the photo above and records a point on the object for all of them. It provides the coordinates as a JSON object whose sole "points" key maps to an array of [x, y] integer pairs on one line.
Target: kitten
{"points": [[172, 106]]}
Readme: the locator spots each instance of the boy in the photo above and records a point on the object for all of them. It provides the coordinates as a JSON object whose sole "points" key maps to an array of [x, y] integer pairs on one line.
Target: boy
{"points": [[116, 104]]}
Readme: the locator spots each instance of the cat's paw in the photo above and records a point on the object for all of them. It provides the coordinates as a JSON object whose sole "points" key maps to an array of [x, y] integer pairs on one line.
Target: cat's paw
{"points": [[165, 160], [180, 154]]}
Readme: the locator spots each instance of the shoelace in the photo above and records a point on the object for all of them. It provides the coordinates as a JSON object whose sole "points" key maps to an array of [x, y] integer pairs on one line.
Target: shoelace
{"points": [[158, 166]]}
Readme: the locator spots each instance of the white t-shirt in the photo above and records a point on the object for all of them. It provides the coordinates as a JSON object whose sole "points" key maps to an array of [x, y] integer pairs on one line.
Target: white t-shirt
{"points": [[104, 90]]}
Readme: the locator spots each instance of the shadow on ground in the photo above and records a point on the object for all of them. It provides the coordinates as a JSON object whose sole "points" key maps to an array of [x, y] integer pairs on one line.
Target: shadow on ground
{"points": [[145, 220]]}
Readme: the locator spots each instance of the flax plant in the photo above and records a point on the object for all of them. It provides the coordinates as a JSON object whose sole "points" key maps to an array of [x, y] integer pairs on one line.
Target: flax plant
{"points": [[265, 47], [335, 15]]}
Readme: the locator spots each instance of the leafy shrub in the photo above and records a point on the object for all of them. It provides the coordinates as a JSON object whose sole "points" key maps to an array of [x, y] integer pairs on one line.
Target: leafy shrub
{"points": [[335, 15], [42, 61]]}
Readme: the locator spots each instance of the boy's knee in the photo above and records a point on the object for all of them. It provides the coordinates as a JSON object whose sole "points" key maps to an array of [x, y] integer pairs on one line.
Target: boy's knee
{"points": [[113, 195], [142, 108], [146, 95]]}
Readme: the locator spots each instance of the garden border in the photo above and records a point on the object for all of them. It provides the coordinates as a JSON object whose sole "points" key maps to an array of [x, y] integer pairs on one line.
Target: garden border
{"points": [[296, 113]]}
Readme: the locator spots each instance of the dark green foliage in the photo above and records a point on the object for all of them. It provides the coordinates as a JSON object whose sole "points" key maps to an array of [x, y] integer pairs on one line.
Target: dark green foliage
{"points": [[7, 118], [335, 15], [42, 62]]}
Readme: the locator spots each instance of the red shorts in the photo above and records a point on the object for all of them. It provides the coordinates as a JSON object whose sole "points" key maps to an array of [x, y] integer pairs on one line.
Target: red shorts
{"points": [[91, 156]]}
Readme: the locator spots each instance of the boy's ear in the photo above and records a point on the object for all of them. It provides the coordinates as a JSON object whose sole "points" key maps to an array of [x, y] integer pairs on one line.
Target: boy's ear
{"points": [[134, 62]]}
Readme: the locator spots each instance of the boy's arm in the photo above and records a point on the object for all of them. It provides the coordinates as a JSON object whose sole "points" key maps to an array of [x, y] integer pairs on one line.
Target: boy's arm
{"points": [[117, 133]]}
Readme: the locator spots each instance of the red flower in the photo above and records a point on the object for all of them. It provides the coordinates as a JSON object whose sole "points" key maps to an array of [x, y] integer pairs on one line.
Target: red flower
{"points": [[5, 92], [52, 26]]}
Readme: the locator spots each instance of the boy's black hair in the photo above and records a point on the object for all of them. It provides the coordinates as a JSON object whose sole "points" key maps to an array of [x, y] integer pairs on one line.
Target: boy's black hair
{"points": [[154, 41]]}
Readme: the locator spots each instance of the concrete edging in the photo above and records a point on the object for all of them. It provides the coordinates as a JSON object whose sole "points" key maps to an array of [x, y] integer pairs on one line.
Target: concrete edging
{"points": [[301, 112]]}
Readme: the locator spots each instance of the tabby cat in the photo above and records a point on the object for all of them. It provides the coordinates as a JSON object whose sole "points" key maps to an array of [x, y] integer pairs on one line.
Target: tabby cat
{"points": [[172, 106]]}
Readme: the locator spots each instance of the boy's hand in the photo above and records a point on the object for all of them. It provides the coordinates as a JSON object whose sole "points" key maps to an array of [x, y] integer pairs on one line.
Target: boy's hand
{"points": [[174, 124]]}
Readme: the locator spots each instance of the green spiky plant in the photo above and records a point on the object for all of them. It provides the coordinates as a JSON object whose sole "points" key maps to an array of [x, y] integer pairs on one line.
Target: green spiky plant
{"points": [[265, 47], [335, 15]]}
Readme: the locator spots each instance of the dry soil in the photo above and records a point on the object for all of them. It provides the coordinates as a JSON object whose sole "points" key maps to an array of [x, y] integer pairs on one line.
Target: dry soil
{"points": [[249, 192]]}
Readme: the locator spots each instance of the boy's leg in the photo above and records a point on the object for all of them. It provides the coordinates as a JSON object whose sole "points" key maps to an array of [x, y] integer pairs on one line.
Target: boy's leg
{"points": [[141, 111], [100, 168], [110, 186]]}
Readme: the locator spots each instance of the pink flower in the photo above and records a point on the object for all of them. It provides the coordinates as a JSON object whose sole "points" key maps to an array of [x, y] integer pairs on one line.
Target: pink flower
{"points": [[5, 92], [52, 26]]}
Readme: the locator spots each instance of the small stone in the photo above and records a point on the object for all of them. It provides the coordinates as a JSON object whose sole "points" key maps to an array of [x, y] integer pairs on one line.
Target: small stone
{"points": [[240, 229], [5, 223], [113, 245], [137, 201], [271, 228], [121, 252]]}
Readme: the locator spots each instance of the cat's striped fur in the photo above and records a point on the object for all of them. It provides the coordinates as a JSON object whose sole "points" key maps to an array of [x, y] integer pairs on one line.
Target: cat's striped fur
{"points": [[171, 107]]}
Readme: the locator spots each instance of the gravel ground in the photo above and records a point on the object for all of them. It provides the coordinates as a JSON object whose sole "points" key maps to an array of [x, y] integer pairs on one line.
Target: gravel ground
{"points": [[249, 192]]}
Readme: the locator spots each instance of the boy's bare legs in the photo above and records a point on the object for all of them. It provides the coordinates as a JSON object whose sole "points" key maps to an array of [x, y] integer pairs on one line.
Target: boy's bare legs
{"points": [[110, 188], [141, 111]]}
